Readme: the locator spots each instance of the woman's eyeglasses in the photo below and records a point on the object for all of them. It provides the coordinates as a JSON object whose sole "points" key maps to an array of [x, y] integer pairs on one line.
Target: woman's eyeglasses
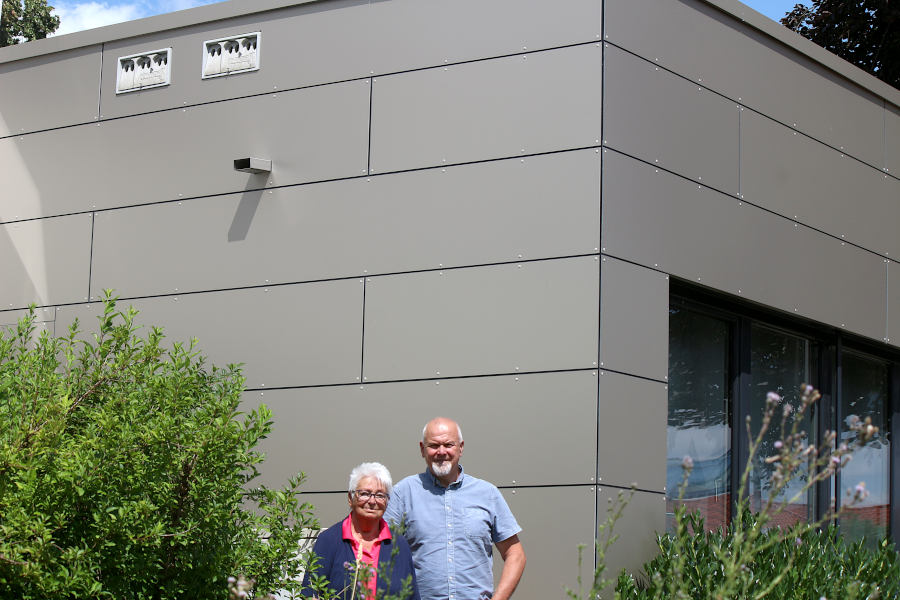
{"points": [[364, 495]]}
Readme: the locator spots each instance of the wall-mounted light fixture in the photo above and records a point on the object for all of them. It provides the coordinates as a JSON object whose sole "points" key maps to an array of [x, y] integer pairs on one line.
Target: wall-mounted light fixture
{"points": [[253, 165]]}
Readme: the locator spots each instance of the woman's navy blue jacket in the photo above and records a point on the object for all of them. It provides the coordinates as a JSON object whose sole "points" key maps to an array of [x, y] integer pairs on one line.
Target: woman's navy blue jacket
{"points": [[333, 551]]}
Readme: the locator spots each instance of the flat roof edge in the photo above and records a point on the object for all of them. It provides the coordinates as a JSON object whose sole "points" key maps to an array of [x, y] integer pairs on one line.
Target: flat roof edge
{"points": [[797, 42], [237, 8], [119, 31]]}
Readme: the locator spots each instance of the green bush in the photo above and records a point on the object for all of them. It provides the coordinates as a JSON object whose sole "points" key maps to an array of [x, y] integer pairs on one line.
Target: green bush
{"points": [[822, 565], [124, 471]]}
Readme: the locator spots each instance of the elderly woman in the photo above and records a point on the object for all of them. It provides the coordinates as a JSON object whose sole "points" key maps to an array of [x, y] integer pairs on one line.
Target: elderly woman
{"points": [[360, 551]]}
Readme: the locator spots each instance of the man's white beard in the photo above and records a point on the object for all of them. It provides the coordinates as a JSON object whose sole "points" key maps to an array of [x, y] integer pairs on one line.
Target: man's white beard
{"points": [[442, 469]]}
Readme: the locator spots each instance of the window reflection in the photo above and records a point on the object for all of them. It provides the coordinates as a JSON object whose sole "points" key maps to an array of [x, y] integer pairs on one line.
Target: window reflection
{"points": [[864, 393], [779, 362], [698, 426]]}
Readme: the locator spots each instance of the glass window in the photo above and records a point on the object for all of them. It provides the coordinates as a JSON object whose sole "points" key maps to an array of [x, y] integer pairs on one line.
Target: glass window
{"points": [[698, 426], [864, 393], [779, 362]]}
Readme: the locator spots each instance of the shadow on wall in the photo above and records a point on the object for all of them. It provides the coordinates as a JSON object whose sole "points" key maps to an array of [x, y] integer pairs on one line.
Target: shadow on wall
{"points": [[246, 209]]}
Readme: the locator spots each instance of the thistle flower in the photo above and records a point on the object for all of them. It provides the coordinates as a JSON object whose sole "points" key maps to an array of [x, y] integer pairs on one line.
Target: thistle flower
{"points": [[773, 398], [687, 463]]}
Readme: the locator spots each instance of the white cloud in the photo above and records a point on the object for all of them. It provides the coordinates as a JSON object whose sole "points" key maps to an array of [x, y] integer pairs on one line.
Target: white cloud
{"points": [[76, 16]]}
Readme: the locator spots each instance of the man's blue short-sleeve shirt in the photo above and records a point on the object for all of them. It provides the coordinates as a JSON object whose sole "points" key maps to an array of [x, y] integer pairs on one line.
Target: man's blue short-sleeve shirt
{"points": [[451, 532]]}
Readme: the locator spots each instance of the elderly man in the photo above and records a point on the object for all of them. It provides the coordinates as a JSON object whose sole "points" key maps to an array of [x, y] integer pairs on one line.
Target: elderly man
{"points": [[453, 521]]}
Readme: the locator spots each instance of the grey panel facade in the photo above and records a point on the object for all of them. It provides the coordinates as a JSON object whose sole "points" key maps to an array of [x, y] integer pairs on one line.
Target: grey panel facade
{"points": [[360, 39], [475, 111], [75, 71], [634, 319], [667, 120], [893, 299], [703, 236], [749, 67], [646, 511], [485, 320], [290, 38], [627, 400], [568, 527], [892, 140], [46, 262], [804, 180], [306, 421], [309, 135], [263, 325], [505, 210]]}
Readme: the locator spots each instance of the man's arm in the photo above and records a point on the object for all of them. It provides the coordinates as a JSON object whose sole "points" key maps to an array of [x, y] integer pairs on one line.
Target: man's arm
{"points": [[513, 555]]}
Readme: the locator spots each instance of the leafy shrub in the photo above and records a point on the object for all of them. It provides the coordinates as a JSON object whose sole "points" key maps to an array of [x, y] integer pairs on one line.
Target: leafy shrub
{"points": [[124, 469], [823, 565]]}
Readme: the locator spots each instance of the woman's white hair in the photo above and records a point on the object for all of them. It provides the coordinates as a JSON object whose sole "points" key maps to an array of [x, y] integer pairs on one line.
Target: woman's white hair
{"points": [[371, 469]]}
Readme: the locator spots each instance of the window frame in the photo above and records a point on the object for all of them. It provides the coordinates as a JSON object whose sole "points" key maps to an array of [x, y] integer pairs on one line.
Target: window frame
{"points": [[826, 348]]}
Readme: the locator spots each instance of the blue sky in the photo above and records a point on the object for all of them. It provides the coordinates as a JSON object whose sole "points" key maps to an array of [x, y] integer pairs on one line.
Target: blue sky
{"points": [[87, 14]]}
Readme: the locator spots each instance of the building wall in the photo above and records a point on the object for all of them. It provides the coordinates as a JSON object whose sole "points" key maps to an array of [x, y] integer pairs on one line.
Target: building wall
{"points": [[474, 211]]}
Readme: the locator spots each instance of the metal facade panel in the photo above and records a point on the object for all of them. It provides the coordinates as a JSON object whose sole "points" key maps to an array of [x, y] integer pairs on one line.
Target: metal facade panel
{"points": [[644, 517], [307, 419], [41, 315], [705, 45], [892, 140], [349, 39], [533, 316], [488, 109], [410, 34], [634, 319], [66, 83], [664, 119], [260, 328], [541, 207], [625, 399], [555, 521], [706, 237], [312, 134], [45, 261], [893, 302], [335, 33], [806, 181]]}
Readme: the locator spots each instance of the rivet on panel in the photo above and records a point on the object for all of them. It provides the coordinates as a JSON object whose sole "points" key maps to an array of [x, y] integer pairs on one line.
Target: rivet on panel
{"points": [[517, 378], [357, 378], [362, 387], [437, 383], [514, 491], [262, 385], [656, 264], [517, 368], [176, 298], [262, 393], [365, 378]]}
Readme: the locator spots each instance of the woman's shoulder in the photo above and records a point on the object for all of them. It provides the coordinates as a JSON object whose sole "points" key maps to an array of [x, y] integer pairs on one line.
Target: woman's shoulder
{"points": [[331, 535]]}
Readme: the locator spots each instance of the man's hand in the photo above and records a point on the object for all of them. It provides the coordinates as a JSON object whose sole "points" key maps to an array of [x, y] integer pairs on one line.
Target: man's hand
{"points": [[513, 555]]}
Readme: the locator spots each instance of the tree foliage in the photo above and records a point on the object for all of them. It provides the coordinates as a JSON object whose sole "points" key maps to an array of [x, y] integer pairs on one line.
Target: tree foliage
{"points": [[863, 32], [31, 20], [124, 471]]}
